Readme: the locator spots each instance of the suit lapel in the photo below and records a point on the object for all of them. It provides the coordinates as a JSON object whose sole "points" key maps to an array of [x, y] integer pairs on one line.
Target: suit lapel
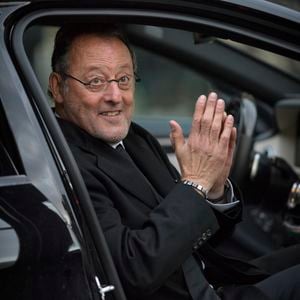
{"points": [[150, 164], [124, 173]]}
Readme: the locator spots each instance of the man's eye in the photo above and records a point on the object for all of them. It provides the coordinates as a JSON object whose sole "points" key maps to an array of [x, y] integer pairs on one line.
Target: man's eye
{"points": [[124, 79], [97, 81]]}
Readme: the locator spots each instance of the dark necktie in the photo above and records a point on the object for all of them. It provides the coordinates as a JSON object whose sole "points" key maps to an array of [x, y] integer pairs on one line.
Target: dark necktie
{"points": [[122, 151], [120, 148]]}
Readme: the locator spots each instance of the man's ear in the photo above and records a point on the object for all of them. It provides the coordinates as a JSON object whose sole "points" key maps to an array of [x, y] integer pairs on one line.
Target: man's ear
{"points": [[55, 88]]}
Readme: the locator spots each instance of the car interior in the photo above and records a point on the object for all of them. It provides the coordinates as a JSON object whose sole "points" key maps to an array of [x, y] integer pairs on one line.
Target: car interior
{"points": [[175, 67]]}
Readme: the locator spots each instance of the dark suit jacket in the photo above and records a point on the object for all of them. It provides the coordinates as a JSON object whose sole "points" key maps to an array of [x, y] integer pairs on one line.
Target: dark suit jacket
{"points": [[156, 227]]}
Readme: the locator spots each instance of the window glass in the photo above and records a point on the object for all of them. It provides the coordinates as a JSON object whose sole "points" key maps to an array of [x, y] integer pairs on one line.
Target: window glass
{"points": [[38, 43], [169, 84], [285, 64], [166, 87]]}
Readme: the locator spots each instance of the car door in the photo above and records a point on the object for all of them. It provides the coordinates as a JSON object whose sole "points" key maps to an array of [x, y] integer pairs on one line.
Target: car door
{"points": [[48, 248]]}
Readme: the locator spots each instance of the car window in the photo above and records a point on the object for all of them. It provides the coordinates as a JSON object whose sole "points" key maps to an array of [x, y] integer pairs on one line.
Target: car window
{"points": [[285, 64], [170, 83], [176, 85], [167, 90]]}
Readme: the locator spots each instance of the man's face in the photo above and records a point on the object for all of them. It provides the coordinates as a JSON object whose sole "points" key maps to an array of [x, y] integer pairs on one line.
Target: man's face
{"points": [[104, 114]]}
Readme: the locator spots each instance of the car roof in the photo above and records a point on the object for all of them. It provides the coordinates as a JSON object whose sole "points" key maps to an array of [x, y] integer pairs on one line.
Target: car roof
{"points": [[257, 8], [256, 5]]}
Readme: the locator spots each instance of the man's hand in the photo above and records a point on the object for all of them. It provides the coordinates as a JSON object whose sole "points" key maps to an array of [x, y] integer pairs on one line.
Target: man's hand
{"points": [[218, 189], [206, 156]]}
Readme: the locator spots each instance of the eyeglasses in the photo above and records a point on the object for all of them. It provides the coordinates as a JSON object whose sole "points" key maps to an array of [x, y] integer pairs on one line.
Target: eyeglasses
{"points": [[98, 84]]}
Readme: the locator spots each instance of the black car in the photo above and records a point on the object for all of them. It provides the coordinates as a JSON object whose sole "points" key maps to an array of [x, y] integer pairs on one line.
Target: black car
{"points": [[51, 244]]}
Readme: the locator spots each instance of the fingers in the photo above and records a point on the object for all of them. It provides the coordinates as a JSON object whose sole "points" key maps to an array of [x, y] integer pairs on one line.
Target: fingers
{"points": [[208, 115], [176, 135], [232, 143], [218, 120], [199, 110], [230, 154], [225, 136], [233, 138]]}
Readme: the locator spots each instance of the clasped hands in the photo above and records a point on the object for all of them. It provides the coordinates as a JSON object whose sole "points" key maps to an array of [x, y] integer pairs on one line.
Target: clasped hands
{"points": [[205, 157]]}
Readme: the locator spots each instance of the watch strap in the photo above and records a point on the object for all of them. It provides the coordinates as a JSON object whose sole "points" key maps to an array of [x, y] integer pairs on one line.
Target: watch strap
{"points": [[196, 186]]}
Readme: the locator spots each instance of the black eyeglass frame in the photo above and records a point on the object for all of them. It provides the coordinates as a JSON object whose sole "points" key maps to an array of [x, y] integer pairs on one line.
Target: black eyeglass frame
{"points": [[88, 84]]}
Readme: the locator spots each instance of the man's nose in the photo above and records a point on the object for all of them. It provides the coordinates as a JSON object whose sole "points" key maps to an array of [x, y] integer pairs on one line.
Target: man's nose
{"points": [[112, 92]]}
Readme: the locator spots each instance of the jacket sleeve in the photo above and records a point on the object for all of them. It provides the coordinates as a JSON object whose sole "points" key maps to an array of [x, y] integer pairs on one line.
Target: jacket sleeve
{"points": [[227, 219]]}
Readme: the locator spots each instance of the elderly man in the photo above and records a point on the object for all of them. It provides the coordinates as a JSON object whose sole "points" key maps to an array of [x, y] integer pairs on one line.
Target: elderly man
{"points": [[162, 227]]}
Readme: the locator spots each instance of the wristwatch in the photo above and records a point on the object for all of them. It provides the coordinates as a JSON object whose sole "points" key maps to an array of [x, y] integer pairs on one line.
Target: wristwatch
{"points": [[196, 186]]}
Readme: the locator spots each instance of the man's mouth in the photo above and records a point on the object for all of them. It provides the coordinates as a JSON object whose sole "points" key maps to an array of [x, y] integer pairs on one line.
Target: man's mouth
{"points": [[110, 113]]}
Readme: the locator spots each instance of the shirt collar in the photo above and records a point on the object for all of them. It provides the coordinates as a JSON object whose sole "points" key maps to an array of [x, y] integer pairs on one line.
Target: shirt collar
{"points": [[115, 145]]}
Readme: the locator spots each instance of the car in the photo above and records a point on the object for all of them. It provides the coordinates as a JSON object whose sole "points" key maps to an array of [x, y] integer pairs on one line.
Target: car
{"points": [[52, 246]]}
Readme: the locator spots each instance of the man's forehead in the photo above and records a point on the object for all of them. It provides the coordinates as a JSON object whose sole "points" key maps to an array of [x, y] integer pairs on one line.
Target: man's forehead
{"points": [[104, 54], [97, 46], [81, 42], [122, 66]]}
